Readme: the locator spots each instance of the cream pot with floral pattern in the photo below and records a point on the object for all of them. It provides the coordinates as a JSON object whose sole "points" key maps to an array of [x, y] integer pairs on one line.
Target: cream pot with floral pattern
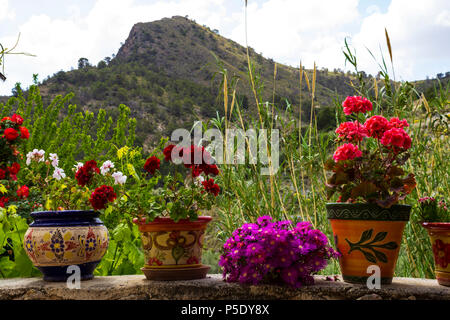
{"points": [[57, 240]]}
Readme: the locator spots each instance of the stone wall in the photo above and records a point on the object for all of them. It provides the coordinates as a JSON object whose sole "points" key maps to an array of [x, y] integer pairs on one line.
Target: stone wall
{"points": [[135, 287]]}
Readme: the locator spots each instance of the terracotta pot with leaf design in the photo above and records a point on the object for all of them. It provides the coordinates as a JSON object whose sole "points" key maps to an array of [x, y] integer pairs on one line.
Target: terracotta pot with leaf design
{"points": [[173, 250], [439, 233], [366, 235]]}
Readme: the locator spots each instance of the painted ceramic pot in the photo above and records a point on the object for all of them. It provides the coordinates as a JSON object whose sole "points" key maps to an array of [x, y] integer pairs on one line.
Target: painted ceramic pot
{"points": [[59, 239], [367, 235], [173, 250], [439, 233]]}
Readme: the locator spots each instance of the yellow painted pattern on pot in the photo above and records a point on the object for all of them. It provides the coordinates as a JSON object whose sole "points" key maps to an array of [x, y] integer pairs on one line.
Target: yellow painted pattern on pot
{"points": [[367, 242], [61, 246], [173, 249]]}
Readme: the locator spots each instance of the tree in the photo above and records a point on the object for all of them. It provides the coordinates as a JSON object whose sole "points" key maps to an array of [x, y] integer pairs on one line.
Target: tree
{"points": [[83, 63], [17, 90]]}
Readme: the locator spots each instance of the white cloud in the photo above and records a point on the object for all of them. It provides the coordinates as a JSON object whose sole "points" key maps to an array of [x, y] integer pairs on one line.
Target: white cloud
{"points": [[291, 30], [419, 34], [6, 13]]}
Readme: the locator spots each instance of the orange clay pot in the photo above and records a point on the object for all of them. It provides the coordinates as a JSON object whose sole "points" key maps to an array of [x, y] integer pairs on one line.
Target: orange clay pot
{"points": [[365, 235], [173, 250], [439, 233]]}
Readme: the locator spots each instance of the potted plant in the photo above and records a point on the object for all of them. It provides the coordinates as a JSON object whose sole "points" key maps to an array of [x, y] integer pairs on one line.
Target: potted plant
{"points": [[275, 252], [167, 209], [367, 174], [435, 218], [66, 230]]}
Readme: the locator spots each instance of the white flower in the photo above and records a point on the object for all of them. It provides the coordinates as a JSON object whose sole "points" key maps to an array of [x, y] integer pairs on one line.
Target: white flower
{"points": [[198, 180], [59, 174], [119, 177], [78, 166], [104, 169], [35, 155], [54, 158]]}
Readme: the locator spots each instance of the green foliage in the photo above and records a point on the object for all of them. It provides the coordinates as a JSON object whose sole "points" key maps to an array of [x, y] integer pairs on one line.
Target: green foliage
{"points": [[433, 210], [14, 261]]}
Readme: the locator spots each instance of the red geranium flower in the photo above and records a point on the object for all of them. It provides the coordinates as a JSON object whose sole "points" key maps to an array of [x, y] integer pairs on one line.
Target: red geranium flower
{"points": [[86, 172], [211, 187], [347, 151], [396, 138], [152, 164], [3, 201], [14, 169], [101, 196], [354, 104], [23, 192], [6, 118], [24, 133], [376, 126], [11, 134], [351, 131], [17, 119], [210, 169], [397, 123], [2, 174], [168, 152]]}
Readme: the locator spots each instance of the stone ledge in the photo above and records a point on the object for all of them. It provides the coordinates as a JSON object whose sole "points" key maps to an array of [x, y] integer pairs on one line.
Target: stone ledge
{"points": [[136, 287]]}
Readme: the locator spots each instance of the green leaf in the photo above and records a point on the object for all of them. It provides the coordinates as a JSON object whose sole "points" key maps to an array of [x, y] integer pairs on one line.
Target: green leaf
{"points": [[390, 245], [369, 256], [380, 256], [366, 235], [379, 237]]}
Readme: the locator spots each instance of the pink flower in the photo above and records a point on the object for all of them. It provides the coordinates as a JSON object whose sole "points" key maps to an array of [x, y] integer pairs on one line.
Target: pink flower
{"points": [[356, 104], [351, 131], [396, 137], [347, 151], [376, 126]]}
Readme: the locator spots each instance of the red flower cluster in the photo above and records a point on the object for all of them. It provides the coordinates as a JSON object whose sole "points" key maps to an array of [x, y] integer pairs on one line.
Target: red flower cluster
{"points": [[376, 126], [23, 192], [87, 172], [354, 104], [152, 164], [347, 151], [397, 123], [3, 201], [211, 187], [396, 138], [101, 196], [194, 157], [351, 131], [12, 129]]}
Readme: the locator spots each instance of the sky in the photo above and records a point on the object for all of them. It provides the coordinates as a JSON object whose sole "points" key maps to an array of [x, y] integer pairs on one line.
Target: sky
{"points": [[59, 32]]}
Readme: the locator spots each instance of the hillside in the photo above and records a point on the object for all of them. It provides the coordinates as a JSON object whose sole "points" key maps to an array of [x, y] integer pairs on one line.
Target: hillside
{"points": [[165, 71]]}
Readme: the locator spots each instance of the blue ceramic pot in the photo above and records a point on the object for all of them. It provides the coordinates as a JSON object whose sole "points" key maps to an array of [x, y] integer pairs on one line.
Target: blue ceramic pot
{"points": [[59, 239]]}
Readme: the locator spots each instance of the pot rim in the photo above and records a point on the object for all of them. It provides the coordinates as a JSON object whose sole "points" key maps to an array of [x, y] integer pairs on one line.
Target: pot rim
{"points": [[366, 204], [169, 221], [65, 214], [436, 225]]}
